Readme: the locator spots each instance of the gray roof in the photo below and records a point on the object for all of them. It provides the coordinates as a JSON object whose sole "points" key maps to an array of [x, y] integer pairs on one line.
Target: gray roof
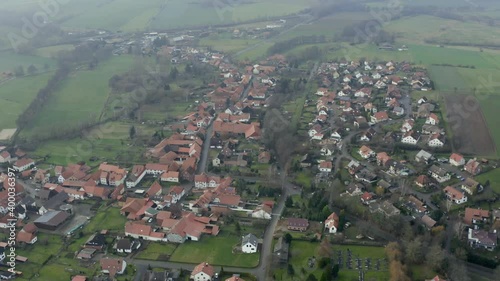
{"points": [[56, 201], [250, 238], [28, 200], [54, 218], [281, 246]]}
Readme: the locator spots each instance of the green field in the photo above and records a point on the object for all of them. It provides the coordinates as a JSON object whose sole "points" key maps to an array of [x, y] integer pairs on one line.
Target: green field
{"points": [[446, 78], [108, 142], [493, 176], [179, 13], [15, 96], [10, 60], [155, 251], [80, 98], [216, 250], [52, 51]]}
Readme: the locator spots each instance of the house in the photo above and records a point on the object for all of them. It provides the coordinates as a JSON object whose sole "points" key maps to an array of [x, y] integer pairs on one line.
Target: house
{"points": [[386, 208], [436, 279], [481, 239], [422, 181], [382, 158], [365, 175], [325, 166], [353, 167], [170, 176], [379, 117], [475, 216], [204, 181], [79, 278], [135, 176], [280, 251], [432, 119], [23, 164], [399, 111], [203, 272], [407, 125], [457, 159], [365, 152], [436, 140], [471, 186], [154, 190], [96, 241], [432, 129], [124, 245], [86, 254], [28, 234], [262, 212], [249, 244], [423, 156], [297, 224], [410, 137], [142, 231], [5, 157], [473, 167], [235, 277], [113, 266], [264, 157], [354, 189], [332, 223], [454, 195], [439, 174], [367, 198], [428, 221]]}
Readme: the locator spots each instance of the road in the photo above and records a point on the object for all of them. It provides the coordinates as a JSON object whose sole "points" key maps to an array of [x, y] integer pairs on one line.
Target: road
{"points": [[202, 166]]}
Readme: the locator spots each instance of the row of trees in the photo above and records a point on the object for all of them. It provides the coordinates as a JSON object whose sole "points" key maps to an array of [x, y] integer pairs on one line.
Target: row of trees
{"points": [[283, 46]]}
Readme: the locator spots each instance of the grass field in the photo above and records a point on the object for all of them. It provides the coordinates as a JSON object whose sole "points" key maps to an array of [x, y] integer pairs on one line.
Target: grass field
{"points": [[15, 96], [52, 51], [178, 13], [10, 60], [80, 98], [446, 78], [493, 176], [155, 251], [216, 250]]}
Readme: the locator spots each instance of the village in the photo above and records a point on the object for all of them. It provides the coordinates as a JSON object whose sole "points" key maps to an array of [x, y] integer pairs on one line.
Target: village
{"points": [[370, 137]]}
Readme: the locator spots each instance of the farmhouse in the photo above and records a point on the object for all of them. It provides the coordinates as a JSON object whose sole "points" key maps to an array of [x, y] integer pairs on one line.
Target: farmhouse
{"points": [[23, 164], [297, 224], [51, 220]]}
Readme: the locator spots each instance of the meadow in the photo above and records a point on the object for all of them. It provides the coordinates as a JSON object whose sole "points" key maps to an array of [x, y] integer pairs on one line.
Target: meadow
{"points": [[10, 60], [179, 13], [15, 96], [80, 98]]}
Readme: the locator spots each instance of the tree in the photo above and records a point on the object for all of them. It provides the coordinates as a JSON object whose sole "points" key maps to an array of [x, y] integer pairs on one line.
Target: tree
{"points": [[289, 202], [32, 69], [288, 238], [311, 277], [19, 71], [132, 132], [414, 253], [174, 73], [238, 228], [335, 271], [435, 257], [290, 270], [458, 271]]}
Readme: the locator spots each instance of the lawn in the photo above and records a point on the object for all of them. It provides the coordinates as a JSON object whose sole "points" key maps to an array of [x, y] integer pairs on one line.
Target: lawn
{"points": [[155, 251], [10, 60], [52, 51], [15, 96], [109, 219], [489, 106], [493, 176], [216, 250], [80, 98]]}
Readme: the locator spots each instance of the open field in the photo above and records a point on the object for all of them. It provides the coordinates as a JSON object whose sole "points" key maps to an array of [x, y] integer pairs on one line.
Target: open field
{"points": [[228, 45], [493, 176], [157, 251], [80, 98], [465, 116], [52, 51], [108, 142], [10, 60], [446, 78], [179, 13], [15, 96]]}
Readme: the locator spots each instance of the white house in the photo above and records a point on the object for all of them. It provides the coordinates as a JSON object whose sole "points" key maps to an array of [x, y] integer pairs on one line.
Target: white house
{"points": [[170, 176], [436, 141], [332, 223], [366, 152], [203, 272], [432, 119], [457, 159], [156, 169], [407, 125], [325, 166], [410, 138], [454, 195], [136, 175], [114, 266], [249, 244], [23, 164], [262, 212]]}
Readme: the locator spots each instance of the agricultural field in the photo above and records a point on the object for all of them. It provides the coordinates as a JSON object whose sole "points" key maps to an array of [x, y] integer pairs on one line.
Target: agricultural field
{"points": [[15, 96], [224, 44], [52, 51], [108, 142], [179, 13], [10, 60], [80, 98]]}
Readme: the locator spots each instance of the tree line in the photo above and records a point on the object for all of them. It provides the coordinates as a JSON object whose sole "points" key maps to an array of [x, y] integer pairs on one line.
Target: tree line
{"points": [[283, 46]]}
